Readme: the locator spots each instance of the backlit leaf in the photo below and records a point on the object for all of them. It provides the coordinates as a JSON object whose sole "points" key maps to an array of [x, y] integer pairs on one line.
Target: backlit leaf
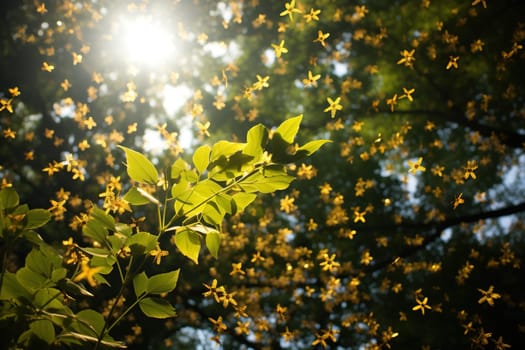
{"points": [[163, 282], [189, 244], [201, 158], [157, 308], [139, 167], [289, 128]]}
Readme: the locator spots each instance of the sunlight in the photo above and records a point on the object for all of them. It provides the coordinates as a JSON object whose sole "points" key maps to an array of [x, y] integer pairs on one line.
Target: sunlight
{"points": [[145, 41]]}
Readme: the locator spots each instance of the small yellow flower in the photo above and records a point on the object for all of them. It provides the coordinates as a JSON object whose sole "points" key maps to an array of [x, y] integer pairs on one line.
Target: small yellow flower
{"points": [[87, 273], [334, 106], [421, 305], [279, 49], [488, 296], [416, 166], [290, 9]]}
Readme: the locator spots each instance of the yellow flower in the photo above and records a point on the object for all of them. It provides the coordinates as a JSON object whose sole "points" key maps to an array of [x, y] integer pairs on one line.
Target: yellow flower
{"points": [[416, 166], [279, 49], [453, 62], [321, 37], [421, 305], [407, 58], [458, 200], [46, 67], [312, 16], [334, 106], [290, 9], [488, 296], [408, 94], [87, 272]]}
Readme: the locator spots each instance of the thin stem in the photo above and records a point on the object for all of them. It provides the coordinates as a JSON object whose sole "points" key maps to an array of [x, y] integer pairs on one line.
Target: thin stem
{"points": [[113, 307], [125, 312]]}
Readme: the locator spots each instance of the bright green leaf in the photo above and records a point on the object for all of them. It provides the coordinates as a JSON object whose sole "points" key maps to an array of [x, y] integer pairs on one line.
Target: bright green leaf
{"points": [[213, 242], [256, 139], [242, 200], [178, 167], [289, 128], [163, 282], [189, 244], [134, 197], [157, 308], [139, 167], [140, 284], [312, 146], [201, 158]]}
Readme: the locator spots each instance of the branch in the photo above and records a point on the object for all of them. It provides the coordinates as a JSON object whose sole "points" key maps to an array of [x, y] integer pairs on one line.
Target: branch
{"points": [[437, 228]]}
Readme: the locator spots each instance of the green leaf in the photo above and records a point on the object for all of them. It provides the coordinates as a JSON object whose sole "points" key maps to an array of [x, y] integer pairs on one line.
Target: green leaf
{"points": [[193, 199], [201, 158], [36, 218], [289, 128], [104, 218], [225, 149], [139, 167], [189, 243], [311, 147], [12, 288], [58, 274], [242, 200], [8, 198], [266, 181], [256, 139], [213, 242], [49, 299], [178, 167], [30, 278], [140, 284], [157, 308], [44, 330], [141, 243], [163, 282], [95, 230], [91, 324], [135, 197]]}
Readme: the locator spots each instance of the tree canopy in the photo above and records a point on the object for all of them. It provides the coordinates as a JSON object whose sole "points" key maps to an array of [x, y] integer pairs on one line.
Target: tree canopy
{"points": [[262, 174]]}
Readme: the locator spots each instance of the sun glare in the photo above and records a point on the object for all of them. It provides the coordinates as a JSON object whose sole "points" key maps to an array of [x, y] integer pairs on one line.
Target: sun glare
{"points": [[145, 41]]}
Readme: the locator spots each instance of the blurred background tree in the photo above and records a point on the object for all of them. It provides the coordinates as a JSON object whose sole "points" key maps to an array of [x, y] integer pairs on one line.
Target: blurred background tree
{"points": [[405, 232]]}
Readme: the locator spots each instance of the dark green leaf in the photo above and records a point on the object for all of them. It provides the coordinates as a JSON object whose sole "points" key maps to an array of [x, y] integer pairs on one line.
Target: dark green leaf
{"points": [[36, 218], [141, 243], [8, 198], [44, 330], [104, 218], [12, 288]]}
